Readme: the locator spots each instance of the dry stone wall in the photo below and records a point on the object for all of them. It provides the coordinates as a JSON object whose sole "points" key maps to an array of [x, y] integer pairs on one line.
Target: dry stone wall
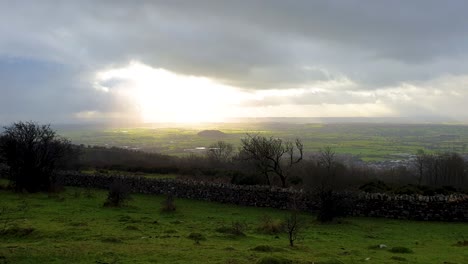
{"points": [[416, 207]]}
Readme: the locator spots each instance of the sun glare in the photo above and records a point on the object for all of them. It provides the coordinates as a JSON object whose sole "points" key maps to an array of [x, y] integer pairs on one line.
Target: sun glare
{"points": [[163, 96]]}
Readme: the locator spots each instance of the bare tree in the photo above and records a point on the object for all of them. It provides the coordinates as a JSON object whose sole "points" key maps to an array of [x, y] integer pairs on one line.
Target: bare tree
{"points": [[327, 183], [327, 160], [272, 155], [441, 169], [419, 162], [220, 152], [293, 225], [32, 153]]}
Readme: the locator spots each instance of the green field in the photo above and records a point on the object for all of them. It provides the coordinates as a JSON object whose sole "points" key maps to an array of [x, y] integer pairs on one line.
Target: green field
{"points": [[74, 227], [369, 142]]}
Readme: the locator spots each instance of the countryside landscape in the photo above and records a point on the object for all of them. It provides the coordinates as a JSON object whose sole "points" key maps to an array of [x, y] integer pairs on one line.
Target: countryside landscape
{"points": [[367, 141], [269, 132]]}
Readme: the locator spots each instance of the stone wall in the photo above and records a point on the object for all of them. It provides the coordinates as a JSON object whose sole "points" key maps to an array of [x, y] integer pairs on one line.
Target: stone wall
{"points": [[415, 207], [259, 196]]}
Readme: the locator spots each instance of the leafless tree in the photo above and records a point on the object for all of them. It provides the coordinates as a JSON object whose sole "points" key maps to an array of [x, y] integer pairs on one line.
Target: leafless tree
{"points": [[327, 158], [32, 153], [327, 161], [220, 152], [419, 162], [272, 155], [293, 225], [327, 183], [441, 169]]}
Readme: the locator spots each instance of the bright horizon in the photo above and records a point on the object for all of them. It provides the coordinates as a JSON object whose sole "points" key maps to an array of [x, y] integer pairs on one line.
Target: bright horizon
{"points": [[164, 96]]}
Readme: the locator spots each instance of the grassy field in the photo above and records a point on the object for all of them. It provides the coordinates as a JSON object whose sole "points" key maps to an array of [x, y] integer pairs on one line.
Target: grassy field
{"points": [[367, 141], [74, 227]]}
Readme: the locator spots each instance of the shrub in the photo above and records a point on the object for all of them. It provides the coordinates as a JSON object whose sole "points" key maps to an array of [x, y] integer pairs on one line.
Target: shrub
{"points": [[292, 226], [398, 258], [17, 231], [9, 217], [32, 154], [331, 261], [408, 189], [112, 240], [402, 250], [168, 204], [375, 187], [295, 180], [197, 237], [132, 228], [88, 193], [240, 178], [268, 225], [118, 195], [264, 248], [273, 260], [236, 229], [333, 204]]}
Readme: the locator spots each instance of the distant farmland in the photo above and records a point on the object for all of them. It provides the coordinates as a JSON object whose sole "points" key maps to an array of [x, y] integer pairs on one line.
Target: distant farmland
{"points": [[370, 142]]}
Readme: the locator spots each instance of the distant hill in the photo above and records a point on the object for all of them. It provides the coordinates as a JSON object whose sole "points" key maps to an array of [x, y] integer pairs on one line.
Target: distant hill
{"points": [[211, 134]]}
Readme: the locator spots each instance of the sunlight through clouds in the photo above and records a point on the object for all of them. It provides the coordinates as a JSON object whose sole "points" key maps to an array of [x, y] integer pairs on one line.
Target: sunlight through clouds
{"points": [[159, 95], [163, 96]]}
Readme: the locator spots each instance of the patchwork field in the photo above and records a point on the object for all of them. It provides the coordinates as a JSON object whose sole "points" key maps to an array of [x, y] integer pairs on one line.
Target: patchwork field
{"points": [[367, 141], [74, 227]]}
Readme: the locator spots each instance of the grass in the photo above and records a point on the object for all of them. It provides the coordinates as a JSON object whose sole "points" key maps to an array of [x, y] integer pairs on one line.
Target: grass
{"points": [[78, 229]]}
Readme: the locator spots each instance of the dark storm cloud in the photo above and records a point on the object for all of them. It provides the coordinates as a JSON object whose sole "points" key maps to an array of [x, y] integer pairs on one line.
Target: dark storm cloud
{"points": [[230, 40], [47, 92], [250, 44]]}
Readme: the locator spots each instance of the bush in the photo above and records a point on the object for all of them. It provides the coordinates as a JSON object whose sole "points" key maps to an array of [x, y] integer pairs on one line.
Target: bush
{"points": [[268, 225], [265, 248], [236, 229], [333, 204], [398, 258], [168, 204], [111, 240], [17, 231], [408, 189], [9, 217], [293, 226], [403, 250], [331, 261], [295, 180], [32, 154], [375, 187], [118, 195], [273, 260], [197, 237], [240, 178]]}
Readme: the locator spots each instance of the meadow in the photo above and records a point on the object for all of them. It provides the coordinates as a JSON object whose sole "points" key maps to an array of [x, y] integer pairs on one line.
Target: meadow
{"points": [[74, 227], [369, 142]]}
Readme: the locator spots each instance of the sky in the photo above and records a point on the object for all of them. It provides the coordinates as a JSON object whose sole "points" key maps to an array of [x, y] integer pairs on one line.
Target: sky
{"points": [[196, 61]]}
